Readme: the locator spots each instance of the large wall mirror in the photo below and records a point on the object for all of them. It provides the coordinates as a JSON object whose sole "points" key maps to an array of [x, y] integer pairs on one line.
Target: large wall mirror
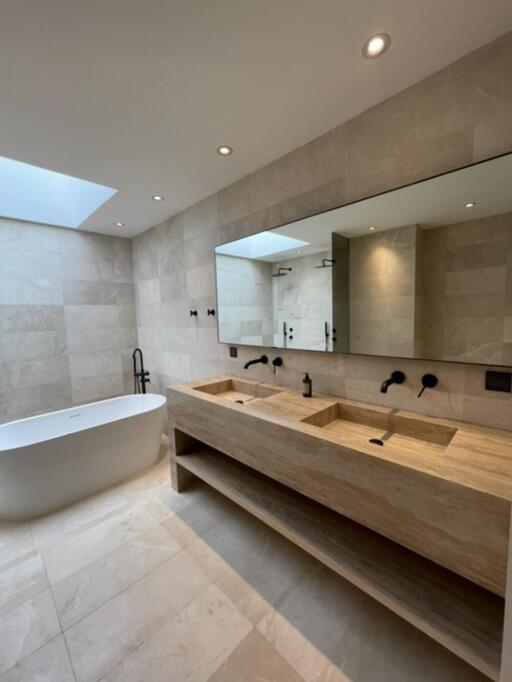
{"points": [[424, 271]]}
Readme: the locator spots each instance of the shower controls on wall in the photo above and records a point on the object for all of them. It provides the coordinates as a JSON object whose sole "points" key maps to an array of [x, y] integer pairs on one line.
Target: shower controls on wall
{"points": [[193, 313], [210, 311], [428, 381]]}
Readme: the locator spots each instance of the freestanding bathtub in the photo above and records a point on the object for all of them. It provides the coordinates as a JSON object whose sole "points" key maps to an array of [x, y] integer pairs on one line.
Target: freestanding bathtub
{"points": [[51, 460]]}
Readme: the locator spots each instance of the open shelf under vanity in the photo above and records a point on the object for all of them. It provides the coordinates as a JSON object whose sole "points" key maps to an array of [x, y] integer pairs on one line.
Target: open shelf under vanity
{"points": [[460, 615]]}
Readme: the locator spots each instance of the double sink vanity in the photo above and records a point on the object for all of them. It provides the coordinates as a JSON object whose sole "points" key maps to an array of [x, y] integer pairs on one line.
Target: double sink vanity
{"points": [[411, 509]]}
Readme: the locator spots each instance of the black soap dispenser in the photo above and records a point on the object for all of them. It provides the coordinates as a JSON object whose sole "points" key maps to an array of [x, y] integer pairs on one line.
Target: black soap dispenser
{"points": [[307, 390]]}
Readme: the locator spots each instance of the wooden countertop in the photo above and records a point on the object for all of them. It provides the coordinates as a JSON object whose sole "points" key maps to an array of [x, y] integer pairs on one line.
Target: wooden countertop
{"points": [[476, 457]]}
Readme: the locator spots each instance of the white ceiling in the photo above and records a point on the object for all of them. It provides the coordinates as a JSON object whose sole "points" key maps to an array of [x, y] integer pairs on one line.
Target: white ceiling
{"points": [[138, 94]]}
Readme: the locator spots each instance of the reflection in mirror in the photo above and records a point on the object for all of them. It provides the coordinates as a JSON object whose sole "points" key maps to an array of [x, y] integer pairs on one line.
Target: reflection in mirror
{"points": [[420, 272]]}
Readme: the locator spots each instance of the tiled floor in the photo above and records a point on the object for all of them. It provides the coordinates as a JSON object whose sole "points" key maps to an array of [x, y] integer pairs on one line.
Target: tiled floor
{"points": [[140, 584]]}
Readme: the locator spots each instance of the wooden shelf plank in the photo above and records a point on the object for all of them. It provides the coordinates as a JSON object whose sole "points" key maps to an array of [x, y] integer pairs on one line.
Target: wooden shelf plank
{"points": [[461, 616]]}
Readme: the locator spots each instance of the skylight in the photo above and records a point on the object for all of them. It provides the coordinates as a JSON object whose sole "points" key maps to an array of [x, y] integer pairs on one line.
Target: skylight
{"points": [[260, 245], [43, 196]]}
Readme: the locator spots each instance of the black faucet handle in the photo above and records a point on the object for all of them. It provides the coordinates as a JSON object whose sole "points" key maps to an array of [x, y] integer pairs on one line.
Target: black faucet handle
{"points": [[428, 381], [398, 376], [277, 362]]}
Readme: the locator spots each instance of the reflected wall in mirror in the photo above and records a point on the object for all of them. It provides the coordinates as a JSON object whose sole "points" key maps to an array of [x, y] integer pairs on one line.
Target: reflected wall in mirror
{"points": [[423, 272]]}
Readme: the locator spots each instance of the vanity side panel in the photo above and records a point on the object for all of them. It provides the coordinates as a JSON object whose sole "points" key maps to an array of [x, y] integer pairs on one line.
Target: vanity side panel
{"points": [[506, 662], [460, 528]]}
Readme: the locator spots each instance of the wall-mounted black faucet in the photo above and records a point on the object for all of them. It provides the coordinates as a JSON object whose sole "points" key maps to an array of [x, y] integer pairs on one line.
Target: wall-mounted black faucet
{"points": [[262, 360], [428, 381], [277, 362], [141, 377], [397, 377]]}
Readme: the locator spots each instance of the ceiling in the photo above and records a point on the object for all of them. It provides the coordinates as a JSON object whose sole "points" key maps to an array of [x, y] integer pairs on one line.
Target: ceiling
{"points": [[137, 95]]}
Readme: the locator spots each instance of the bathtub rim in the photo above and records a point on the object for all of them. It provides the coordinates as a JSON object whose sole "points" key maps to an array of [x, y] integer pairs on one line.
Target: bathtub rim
{"points": [[6, 450]]}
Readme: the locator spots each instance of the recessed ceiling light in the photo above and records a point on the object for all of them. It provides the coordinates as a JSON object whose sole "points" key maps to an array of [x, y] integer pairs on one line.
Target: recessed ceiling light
{"points": [[376, 45], [158, 197], [372, 228], [470, 204], [224, 150], [119, 224]]}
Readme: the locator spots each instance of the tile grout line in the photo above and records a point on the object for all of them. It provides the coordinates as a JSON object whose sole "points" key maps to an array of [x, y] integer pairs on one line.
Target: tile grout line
{"points": [[61, 634]]}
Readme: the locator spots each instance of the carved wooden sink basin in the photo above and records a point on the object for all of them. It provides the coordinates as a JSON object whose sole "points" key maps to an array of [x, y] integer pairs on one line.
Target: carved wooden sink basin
{"points": [[379, 425], [237, 390]]}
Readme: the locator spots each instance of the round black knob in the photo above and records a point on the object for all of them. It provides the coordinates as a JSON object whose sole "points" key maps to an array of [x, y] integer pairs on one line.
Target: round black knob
{"points": [[398, 377], [428, 381]]}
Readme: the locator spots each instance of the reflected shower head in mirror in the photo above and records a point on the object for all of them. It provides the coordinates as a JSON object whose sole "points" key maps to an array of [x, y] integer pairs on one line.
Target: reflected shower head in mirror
{"points": [[281, 272], [326, 263]]}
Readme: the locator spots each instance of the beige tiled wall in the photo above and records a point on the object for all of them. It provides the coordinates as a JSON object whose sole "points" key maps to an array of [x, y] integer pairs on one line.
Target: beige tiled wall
{"points": [[67, 318], [467, 290], [383, 292], [459, 115]]}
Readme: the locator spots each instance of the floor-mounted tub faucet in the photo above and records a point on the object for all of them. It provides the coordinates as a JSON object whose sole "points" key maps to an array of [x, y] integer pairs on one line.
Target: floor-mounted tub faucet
{"points": [[141, 377], [397, 377]]}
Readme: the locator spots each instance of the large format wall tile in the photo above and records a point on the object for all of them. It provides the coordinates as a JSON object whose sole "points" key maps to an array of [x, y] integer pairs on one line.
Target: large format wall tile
{"points": [[67, 317]]}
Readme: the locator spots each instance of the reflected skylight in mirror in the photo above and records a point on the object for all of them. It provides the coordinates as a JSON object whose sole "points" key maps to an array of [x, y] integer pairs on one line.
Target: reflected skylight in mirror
{"points": [[260, 245], [43, 196]]}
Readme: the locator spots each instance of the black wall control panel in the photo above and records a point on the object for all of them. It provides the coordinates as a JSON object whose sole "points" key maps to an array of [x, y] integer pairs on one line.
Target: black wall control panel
{"points": [[498, 381]]}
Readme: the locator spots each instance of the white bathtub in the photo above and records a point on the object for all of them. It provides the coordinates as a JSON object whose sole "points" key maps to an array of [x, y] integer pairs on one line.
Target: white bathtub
{"points": [[51, 460]]}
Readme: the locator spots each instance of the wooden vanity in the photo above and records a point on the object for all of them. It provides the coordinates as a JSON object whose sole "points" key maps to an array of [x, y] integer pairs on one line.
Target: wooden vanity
{"points": [[413, 510]]}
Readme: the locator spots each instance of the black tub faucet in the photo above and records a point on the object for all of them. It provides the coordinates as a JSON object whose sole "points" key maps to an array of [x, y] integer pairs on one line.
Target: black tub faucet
{"points": [[397, 377], [263, 360], [141, 377]]}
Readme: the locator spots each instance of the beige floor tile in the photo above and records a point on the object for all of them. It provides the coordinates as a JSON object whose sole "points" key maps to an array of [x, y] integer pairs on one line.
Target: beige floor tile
{"points": [[101, 640], [158, 509], [77, 517], [21, 582], [15, 542], [84, 591], [191, 646], [331, 632], [225, 544], [50, 663], [64, 559], [141, 488], [204, 509], [263, 577], [255, 660], [26, 628]]}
